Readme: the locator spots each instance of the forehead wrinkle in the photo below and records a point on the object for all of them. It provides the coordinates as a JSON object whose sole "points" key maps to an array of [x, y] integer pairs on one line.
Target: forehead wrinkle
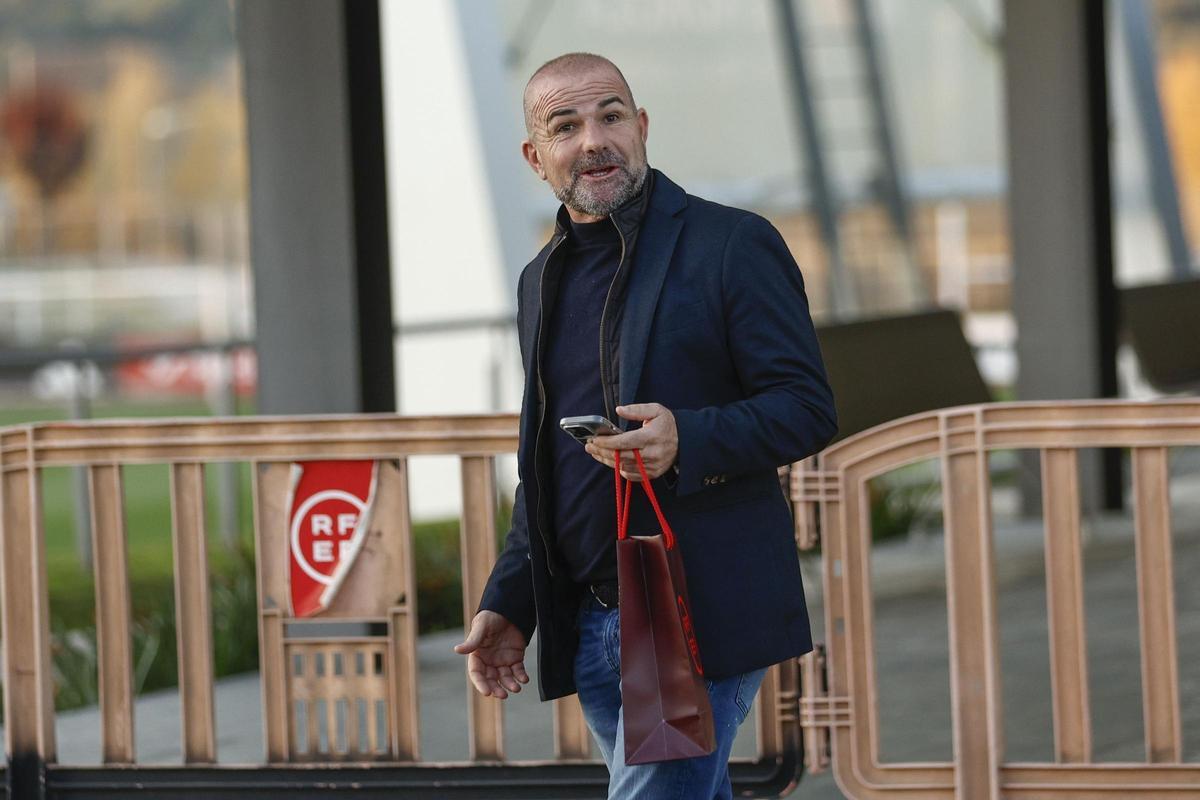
{"points": [[573, 95]]}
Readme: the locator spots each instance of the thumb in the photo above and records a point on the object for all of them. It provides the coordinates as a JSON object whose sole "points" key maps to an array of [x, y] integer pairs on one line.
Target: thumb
{"points": [[639, 411], [472, 642]]}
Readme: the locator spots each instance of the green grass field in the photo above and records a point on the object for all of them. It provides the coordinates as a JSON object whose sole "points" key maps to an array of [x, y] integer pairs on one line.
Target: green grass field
{"points": [[147, 497]]}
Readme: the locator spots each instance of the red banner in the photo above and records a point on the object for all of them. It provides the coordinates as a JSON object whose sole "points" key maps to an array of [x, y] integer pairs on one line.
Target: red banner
{"points": [[328, 514]]}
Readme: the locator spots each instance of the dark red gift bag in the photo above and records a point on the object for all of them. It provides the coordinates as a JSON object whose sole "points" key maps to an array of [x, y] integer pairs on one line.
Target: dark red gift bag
{"points": [[663, 697]]}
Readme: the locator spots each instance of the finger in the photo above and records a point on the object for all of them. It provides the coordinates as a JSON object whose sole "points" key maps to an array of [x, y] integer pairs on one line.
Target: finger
{"points": [[479, 682], [629, 462], [519, 672], [640, 411], [603, 458], [484, 679], [630, 440], [508, 681]]}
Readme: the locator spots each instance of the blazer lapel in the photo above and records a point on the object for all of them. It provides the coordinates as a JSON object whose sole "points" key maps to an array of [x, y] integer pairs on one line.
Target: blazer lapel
{"points": [[655, 244]]}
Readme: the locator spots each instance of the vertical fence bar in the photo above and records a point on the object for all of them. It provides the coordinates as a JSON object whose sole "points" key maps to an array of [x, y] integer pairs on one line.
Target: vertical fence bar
{"points": [[270, 491], [402, 619], [970, 583], [1156, 605], [1064, 596], [193, 637], [478, 534], [274, 684], [786, 676], [571, 737], [769, 728], [332, 688], [25, 628], [406, 719], [114, 647]]}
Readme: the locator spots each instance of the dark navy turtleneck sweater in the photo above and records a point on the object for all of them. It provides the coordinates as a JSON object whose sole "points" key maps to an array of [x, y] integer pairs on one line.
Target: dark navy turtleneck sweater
{"points": [[584, 507]]}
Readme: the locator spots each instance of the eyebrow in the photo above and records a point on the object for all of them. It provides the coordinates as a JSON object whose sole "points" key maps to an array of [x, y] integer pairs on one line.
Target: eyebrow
{"points": [[566, 112]]}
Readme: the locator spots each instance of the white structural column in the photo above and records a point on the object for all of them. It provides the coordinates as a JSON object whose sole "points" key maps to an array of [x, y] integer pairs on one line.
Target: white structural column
{"points": [[465, 217], [461, 222]]}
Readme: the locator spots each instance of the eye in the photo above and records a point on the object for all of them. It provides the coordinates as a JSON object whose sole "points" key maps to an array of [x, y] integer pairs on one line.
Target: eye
{"points": [[566, 127], [612, 117]]}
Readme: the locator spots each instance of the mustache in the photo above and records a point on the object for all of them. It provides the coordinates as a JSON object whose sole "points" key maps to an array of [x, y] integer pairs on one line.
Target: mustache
{"points": [[596, 161]]}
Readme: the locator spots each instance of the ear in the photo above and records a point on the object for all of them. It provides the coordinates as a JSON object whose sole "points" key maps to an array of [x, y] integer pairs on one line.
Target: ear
{"points": [[643, 123], [532, 158]]}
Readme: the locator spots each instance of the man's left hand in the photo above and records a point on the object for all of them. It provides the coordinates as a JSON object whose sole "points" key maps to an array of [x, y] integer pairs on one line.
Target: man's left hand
{"points": [[658, 439]]}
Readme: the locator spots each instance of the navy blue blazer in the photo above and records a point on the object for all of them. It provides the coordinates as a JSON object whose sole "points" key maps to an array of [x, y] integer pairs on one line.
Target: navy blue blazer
{"points": [[715, 327]]}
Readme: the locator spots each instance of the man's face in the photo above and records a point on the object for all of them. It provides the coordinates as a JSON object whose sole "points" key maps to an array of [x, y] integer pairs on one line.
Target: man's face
{"points": [[586, 140]]}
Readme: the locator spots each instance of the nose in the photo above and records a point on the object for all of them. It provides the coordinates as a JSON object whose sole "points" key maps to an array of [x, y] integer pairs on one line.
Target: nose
{"points": [[594, 139]]}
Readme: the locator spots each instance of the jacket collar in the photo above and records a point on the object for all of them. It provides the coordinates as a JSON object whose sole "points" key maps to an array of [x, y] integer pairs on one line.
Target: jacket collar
{"points": [[627, 218]]}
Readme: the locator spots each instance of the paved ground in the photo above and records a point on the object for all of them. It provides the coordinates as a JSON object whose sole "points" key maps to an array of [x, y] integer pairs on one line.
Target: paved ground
{"points": [[528, 723], [912, 665]]}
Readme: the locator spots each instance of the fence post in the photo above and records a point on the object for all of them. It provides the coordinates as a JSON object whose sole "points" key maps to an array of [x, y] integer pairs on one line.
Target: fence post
{"points": [[971, 590], [478, 554], [25, 630]]}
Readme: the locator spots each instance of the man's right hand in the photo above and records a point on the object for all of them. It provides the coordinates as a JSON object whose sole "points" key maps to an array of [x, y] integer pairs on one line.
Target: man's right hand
{"points": [[495, 651]]}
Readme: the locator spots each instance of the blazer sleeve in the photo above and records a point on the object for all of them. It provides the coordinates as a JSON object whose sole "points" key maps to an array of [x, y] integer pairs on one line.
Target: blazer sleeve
{"points": [[787, 412], [509, 590]]}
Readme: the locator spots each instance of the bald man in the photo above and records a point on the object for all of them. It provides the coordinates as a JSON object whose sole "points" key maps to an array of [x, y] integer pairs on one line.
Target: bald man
{"points": [[686, 324]]}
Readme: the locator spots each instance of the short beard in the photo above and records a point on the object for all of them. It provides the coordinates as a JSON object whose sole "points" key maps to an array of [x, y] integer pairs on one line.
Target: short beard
{"points": [[578, 196]]}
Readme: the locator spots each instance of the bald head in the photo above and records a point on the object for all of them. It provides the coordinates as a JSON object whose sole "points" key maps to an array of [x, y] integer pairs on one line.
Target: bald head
{"points": [[568, 65], [586, 138]]}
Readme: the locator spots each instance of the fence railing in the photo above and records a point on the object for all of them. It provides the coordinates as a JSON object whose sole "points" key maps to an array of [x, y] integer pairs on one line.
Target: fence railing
{"points": [[301, 713], [834, 707], [839, 707]]}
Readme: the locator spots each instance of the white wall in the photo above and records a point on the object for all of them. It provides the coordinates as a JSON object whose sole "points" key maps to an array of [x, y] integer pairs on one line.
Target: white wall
{"points": [[448, 251]]}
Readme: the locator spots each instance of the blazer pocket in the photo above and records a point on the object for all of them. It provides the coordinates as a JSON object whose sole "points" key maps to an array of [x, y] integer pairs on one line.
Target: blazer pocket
{"points": [[723, 495]]}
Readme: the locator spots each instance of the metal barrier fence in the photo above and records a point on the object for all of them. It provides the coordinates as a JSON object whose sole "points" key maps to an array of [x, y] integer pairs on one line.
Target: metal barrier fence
{"points": [[839, 705], [831, 715], [301, 712]]}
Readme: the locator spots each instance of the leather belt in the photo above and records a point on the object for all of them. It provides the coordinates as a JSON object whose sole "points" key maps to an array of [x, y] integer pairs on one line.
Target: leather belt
{"points": [[606, 593]]}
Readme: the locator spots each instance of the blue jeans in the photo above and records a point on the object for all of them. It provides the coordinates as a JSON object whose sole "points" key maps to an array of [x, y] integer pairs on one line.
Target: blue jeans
{"points": [[598, 679]]}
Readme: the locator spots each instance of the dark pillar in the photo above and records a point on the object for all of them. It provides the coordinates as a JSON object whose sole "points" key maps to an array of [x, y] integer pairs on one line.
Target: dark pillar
{"points": [[318, 208], [1060, 210]]}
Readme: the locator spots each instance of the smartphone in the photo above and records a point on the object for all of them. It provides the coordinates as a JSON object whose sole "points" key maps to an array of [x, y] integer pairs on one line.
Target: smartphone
{"points": [[584, 428]]}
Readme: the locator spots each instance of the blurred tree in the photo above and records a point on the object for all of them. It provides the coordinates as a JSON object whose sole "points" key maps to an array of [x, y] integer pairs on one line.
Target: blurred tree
{"points": [[48, 138]]}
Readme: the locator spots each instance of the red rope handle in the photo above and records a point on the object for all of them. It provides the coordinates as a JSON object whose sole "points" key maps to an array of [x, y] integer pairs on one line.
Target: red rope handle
{"points": [[623, 507]]}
